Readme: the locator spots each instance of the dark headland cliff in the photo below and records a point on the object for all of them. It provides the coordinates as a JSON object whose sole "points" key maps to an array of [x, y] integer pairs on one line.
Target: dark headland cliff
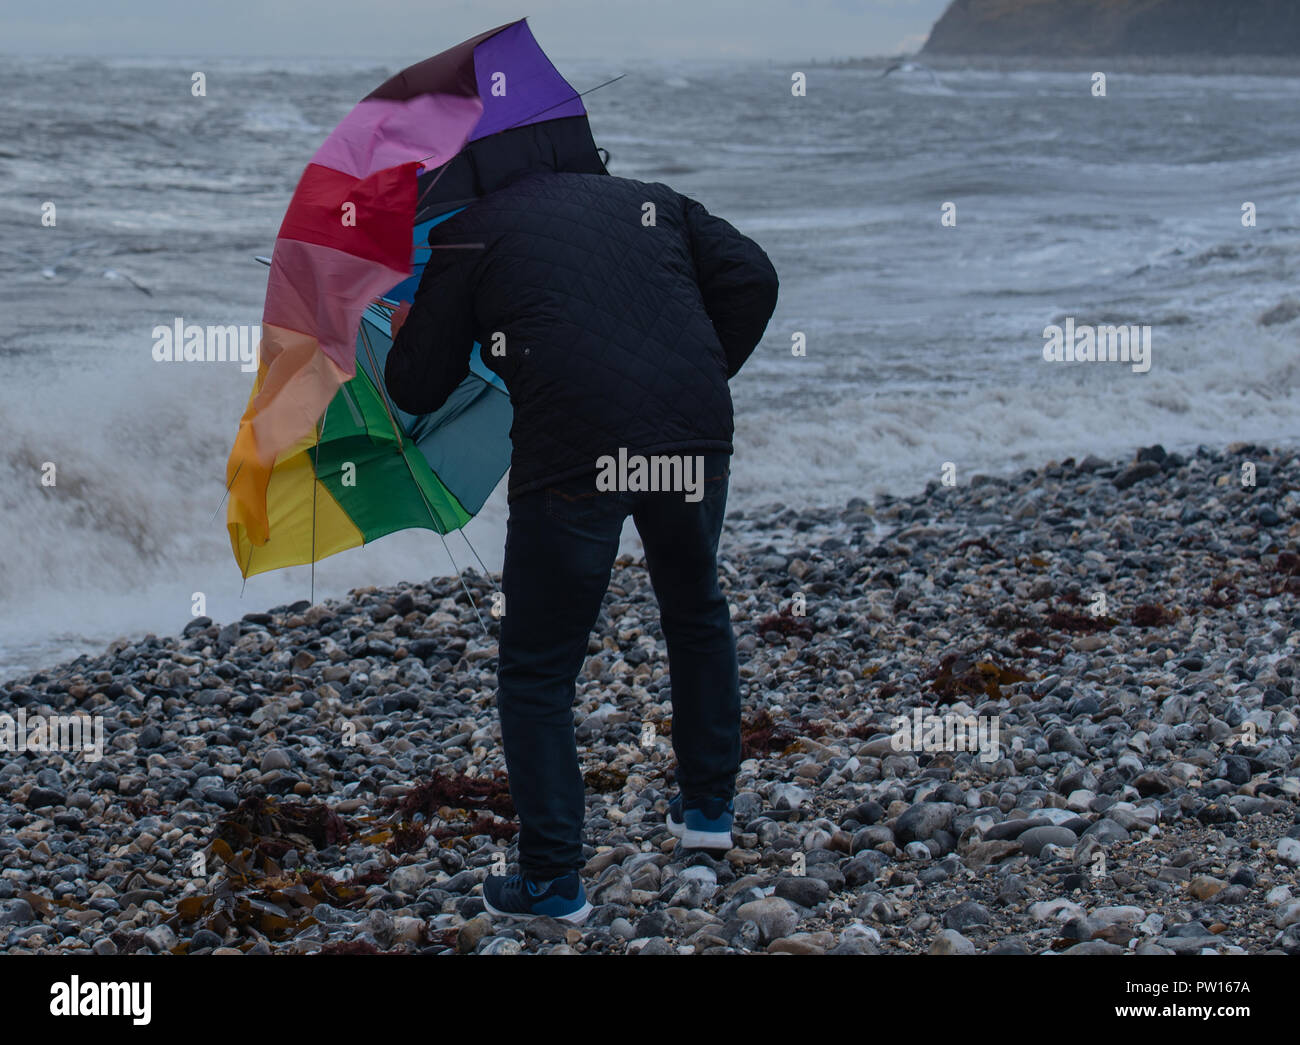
{"points": [[1117, 27]]}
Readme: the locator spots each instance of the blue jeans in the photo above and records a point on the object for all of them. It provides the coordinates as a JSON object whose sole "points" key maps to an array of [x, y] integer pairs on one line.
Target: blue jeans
{"points": [[560, 547]]}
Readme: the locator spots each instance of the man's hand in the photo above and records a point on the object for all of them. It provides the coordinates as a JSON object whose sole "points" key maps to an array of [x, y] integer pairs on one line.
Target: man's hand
{"points": [[398, 317]]}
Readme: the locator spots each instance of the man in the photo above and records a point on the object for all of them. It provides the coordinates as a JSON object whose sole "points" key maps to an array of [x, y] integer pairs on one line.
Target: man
{"points": [[624, 308]]}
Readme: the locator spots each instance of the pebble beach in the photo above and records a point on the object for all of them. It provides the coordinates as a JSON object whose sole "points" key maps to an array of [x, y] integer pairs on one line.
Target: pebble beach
{"points": [[328, 778]]}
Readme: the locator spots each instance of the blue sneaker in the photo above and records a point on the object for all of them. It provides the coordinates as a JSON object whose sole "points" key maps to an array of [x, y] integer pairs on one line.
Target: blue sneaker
{"points": [[520, 897], [704, 825]]}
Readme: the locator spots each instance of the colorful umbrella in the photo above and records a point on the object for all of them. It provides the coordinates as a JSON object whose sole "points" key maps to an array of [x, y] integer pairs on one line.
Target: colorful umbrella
{"points": [[323, 460]]}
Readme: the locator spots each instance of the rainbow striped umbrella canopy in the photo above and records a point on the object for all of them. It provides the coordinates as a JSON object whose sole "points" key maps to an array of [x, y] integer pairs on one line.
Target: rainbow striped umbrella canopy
{"points": [[323, 460]]}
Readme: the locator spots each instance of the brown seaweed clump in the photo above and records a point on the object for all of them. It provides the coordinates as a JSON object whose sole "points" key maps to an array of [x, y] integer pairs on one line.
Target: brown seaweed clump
{"points": [[785, 624], [959, 676], [462, 802], [253, 896]]}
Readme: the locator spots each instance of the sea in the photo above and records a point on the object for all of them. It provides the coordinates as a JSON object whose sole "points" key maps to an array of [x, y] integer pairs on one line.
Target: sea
{"points": [[929, 225]]}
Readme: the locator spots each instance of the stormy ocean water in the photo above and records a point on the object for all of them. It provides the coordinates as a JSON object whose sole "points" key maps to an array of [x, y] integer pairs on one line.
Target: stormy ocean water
{"points": [[924, 343]]}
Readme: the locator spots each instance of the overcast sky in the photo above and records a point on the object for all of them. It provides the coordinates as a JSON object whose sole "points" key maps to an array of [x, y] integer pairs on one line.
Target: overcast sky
{"points": [[397, 29]]}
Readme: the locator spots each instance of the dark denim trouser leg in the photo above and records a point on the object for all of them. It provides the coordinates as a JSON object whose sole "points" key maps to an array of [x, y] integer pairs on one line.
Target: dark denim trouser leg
{"points": [[681, 544], [560, 547]]}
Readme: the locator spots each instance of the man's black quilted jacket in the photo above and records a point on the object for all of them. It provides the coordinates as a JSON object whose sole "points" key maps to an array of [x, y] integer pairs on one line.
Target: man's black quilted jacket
{"points": [[617, 333]]}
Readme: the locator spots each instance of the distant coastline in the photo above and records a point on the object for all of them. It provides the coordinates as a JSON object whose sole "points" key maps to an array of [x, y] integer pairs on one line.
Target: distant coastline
{"points": [[1286, 66], [1129, 27]]}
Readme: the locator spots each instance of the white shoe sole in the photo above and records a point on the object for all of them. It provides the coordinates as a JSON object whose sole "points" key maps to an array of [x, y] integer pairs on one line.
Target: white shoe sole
{"points": [[699, 839], [576, 918]]}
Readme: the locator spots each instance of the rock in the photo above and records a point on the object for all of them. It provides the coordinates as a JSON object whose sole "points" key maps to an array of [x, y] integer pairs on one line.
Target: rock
{"points": [[1288, 850], [774, 916], [472, 933], [598, 863], [1094, 947], [1289, 939], [1152, 784], [1152, 925], [788, 796], [1106, 831], [1233, 768], [1015, 828], [1204, 887], [1056, 910], [380, 925], [499, 945], [614, 887], [920, 822], [223, 797], [706, 875], [276, 758], [657, 923], [16, 912], [1033, 840], [855, 945], [408, 879], [982, 854], [951, 942], [1287, 914], [745, 806], [802, 943], [41, 797], [966, 915], [867, 813], [1135, 474], [804, 891], [1119, 915], [130, 784], [548, 930], [160, 939], [863, 868], [1188, 930], [408, 929]]}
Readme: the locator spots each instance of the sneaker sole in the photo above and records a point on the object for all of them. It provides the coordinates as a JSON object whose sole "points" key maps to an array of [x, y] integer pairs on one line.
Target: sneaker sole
{"points": [[576, 918], [699, 839]]}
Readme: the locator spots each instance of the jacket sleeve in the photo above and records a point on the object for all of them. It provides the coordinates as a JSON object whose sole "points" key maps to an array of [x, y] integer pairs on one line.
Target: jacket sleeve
{"points": [[737, 281], [430, 355]]}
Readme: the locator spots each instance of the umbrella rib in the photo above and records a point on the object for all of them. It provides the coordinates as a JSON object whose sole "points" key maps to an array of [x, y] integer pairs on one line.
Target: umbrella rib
{"points": [[576, 95], [401, 449], [315, 482], [383, 395], [223, 496], [486, 574], [461, 577]]}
